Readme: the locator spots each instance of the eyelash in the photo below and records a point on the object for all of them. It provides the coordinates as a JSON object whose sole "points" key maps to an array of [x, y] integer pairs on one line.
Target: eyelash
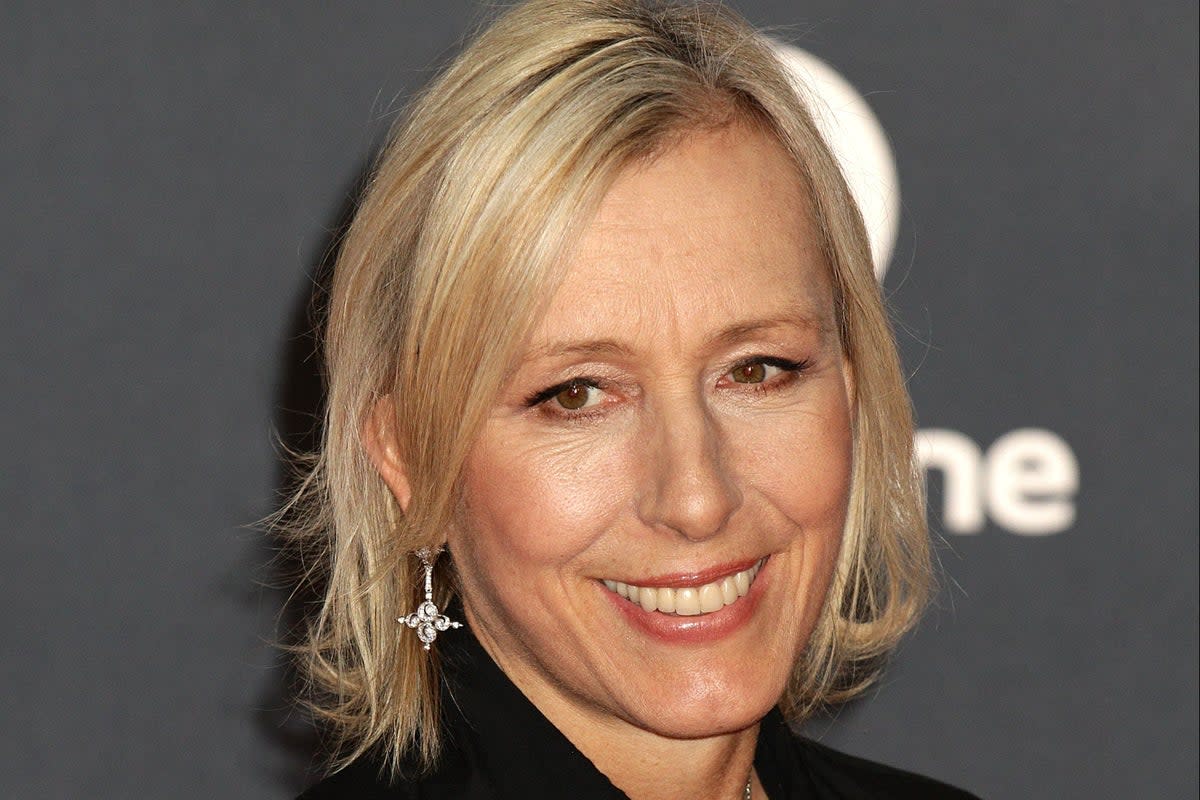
{"points": [[549, 393], [790, 369]]}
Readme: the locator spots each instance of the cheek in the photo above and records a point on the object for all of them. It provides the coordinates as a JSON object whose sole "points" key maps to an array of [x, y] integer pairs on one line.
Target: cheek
{"points": [[539, 505], [805, 470]]}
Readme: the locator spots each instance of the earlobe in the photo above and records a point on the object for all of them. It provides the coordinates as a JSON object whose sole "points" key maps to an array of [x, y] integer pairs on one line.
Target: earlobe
{"points": [[848, 378], [380, 438]]}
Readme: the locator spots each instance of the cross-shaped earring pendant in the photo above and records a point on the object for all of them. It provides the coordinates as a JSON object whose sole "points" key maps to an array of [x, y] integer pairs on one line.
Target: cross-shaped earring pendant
{"points": [[427, 619]]}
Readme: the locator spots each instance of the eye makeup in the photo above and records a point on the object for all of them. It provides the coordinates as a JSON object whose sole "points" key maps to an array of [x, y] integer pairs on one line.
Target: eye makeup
{"points": [[758, 373], [745, 366], [537, 398]]}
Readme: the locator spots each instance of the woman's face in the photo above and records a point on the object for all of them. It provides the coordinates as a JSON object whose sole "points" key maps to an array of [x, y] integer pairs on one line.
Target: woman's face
{"points": [[679, 422]]}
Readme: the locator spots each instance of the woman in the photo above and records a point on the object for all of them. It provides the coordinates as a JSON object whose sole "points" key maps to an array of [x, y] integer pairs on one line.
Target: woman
{"points": [[604, 334]]}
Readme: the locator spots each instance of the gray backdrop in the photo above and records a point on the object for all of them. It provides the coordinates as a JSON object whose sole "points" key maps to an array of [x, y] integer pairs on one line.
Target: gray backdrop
{"points": [[171, 174]]}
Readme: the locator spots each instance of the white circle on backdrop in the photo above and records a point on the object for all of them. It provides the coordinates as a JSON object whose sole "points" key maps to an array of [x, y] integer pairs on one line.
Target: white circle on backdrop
{"points": [[857, 140]]}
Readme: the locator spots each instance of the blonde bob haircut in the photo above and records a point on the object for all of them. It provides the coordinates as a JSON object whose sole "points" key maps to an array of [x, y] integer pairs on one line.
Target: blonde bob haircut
{"points": [[456, 246]]}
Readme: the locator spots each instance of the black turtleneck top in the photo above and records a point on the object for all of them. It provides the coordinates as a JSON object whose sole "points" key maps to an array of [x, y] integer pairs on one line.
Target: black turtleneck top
{"points": [[498, 746]]}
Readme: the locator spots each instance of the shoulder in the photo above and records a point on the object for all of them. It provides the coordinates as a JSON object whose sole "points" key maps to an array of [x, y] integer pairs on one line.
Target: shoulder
{"points": [[361, 779], [844, 775], [365, 779]]}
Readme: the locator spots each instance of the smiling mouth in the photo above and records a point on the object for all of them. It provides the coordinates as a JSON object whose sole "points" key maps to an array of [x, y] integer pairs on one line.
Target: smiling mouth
{"points": [[690, 601]]}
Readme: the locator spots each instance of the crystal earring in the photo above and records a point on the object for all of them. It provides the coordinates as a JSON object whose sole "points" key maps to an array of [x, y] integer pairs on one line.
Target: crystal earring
{"points": [[427, 619]]}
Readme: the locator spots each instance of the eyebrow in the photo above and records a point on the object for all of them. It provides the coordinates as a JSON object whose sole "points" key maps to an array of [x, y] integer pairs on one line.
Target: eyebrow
{"points": [[590, 347], [740, 331], [732, 334]]}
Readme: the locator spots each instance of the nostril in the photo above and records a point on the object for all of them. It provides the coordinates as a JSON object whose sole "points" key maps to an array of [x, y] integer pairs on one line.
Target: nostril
{"points": [[696, 506], [689, 489]]}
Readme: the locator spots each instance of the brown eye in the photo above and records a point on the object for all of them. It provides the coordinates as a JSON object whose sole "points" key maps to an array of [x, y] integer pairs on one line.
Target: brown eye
{"points": [[750, 373], [574, 397]]}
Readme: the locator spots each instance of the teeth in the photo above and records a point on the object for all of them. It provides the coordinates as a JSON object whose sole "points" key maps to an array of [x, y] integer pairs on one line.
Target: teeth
{"points": [[729, 591], [710, 598], [666, 601], [689, 601], [648, 598]]}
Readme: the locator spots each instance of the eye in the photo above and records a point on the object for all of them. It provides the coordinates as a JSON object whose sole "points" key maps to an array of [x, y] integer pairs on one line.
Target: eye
{"points": [[577, 395], [754, 372], [766, 371]]}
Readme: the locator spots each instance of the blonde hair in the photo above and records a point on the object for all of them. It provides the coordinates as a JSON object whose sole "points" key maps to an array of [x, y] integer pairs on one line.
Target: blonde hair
{"points": [[452, 253]]}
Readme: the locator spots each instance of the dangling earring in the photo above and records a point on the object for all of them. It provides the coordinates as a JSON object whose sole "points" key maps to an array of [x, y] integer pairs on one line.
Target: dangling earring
{"points": [[427, 619]]}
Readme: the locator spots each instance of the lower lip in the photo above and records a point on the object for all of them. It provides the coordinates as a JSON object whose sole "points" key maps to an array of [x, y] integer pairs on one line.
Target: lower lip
{"points": [[698, 629]]}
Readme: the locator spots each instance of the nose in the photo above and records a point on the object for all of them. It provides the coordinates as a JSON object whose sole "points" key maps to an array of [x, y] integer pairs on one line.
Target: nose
{"points": [[690, 487]]}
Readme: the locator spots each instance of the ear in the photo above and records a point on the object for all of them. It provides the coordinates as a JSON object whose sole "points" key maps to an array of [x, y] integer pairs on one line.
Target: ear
{"points": [[848, 378], [379, 436]]}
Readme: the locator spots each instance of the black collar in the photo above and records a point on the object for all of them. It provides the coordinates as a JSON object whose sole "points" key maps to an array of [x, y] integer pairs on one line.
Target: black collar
{"points": [[503, 736], [498, 746], [498, 737]]}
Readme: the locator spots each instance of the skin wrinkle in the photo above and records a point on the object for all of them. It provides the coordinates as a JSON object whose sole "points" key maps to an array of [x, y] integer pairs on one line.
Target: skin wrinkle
{"points": [[487, 184], [677, 468], [731, 335]]}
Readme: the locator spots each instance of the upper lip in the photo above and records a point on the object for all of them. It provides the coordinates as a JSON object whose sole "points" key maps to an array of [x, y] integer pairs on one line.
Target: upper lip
{"points": [[685, 579]]}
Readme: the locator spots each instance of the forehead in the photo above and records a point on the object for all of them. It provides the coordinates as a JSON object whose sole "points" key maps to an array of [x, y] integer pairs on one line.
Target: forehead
{"points": [[714, 230]]}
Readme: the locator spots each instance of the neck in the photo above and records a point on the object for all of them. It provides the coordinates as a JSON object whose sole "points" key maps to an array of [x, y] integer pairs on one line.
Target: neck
{"points": [[642, 763], [651, 767], [648, 766]]}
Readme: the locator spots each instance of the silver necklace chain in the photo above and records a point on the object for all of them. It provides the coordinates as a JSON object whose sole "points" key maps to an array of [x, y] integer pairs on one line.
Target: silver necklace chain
{"points": [[749, 787]]}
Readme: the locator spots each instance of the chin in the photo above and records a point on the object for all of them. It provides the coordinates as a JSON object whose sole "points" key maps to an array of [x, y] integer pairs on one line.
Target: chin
{"points": [[691, 677], [708, 711]]}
